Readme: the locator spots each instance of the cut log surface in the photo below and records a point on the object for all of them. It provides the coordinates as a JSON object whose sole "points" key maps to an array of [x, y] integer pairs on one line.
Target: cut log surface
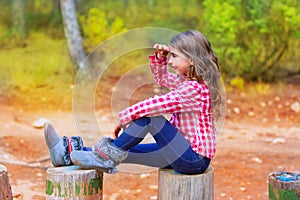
{"points": [[284, 185], [173, 186], [5, 188], [66, 183]]}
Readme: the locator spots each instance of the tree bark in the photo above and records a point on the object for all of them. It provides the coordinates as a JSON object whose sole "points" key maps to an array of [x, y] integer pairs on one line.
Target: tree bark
{"points": [[70, 182], [180, 186], [19, 19], [284, 185], [5, 188], [73, 35]]}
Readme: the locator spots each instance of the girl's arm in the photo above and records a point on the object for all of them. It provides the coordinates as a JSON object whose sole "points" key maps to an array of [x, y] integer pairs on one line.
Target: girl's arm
{"points": [[161, 74], [188, 98]]}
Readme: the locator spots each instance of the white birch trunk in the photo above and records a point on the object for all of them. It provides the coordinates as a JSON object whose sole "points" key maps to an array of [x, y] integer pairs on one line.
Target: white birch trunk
{"points": [[73, 35]]}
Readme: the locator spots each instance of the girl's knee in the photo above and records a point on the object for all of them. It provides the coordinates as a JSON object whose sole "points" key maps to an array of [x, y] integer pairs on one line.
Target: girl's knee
{"points": [[143, 121], [159, 117]]}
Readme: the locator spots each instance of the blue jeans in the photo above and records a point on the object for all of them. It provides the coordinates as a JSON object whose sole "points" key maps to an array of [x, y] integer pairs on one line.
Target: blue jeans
{"points": [[171, 149]]}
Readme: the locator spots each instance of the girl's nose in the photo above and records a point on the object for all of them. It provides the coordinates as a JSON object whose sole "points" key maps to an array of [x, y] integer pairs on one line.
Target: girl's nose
{"points": [[170, 61]]}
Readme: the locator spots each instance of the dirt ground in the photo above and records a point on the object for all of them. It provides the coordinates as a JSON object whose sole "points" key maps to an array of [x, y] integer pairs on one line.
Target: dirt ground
{"points": [[261, 135]]}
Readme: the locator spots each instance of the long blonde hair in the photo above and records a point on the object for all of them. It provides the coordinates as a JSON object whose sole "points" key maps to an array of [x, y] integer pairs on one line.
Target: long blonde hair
{"points": [[194, 45]]}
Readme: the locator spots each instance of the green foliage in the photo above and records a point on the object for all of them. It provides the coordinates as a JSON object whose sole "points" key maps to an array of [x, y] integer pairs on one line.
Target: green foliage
{"points": [[41, 16], [253, 39], [238, 83], [45, 16], [96, 27], [221, 18], [262, 88]]}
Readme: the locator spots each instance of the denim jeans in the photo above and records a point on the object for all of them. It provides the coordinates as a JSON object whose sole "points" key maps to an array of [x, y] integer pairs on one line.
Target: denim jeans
{"points": [[171, 149]]}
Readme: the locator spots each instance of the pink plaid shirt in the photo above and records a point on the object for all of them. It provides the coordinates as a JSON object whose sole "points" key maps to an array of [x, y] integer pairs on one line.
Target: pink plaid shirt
{"points": [[189, 103]]}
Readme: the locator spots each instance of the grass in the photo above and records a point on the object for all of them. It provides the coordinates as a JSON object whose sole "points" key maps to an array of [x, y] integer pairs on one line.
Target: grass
{"points": [[40, 71], [39, 63]]}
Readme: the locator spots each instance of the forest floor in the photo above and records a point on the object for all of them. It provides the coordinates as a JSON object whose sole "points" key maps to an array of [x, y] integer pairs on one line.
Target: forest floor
{"points": [[261, 135]]}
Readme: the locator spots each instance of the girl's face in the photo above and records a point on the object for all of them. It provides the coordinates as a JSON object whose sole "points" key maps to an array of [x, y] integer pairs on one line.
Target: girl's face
{"points": [[179, 62]]}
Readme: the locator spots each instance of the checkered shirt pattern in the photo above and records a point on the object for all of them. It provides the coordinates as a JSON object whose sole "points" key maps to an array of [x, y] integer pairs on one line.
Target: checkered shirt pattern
{"points": [[189, 103]]}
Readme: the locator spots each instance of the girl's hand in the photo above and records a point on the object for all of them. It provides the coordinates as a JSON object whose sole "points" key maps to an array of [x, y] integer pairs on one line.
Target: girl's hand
{"points": [[117, 131], [161, 50]]}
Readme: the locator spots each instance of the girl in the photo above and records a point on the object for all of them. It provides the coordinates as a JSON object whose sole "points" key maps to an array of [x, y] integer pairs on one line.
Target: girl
{"points": [[186, 142]]}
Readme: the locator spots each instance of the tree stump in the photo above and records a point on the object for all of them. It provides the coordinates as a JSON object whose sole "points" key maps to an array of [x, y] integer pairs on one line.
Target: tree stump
{"points": [[284, 185], [66, 183], [172, 186], [5, 188]]}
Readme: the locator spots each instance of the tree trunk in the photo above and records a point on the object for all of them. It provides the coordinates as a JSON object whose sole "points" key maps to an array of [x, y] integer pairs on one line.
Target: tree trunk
{"points": [[284, 185], [5, 188], [19, 19], [68, 183], [181, 186], [73, 35]]}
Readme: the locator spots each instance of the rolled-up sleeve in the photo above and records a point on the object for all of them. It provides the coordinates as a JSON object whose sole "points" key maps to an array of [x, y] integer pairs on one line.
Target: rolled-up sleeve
{"points": [[157, 105], [186, 99], [161, 74]]}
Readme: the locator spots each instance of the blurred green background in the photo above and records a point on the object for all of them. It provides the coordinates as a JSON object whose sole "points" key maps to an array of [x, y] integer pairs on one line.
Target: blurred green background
{"points": [[256, 40]]}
